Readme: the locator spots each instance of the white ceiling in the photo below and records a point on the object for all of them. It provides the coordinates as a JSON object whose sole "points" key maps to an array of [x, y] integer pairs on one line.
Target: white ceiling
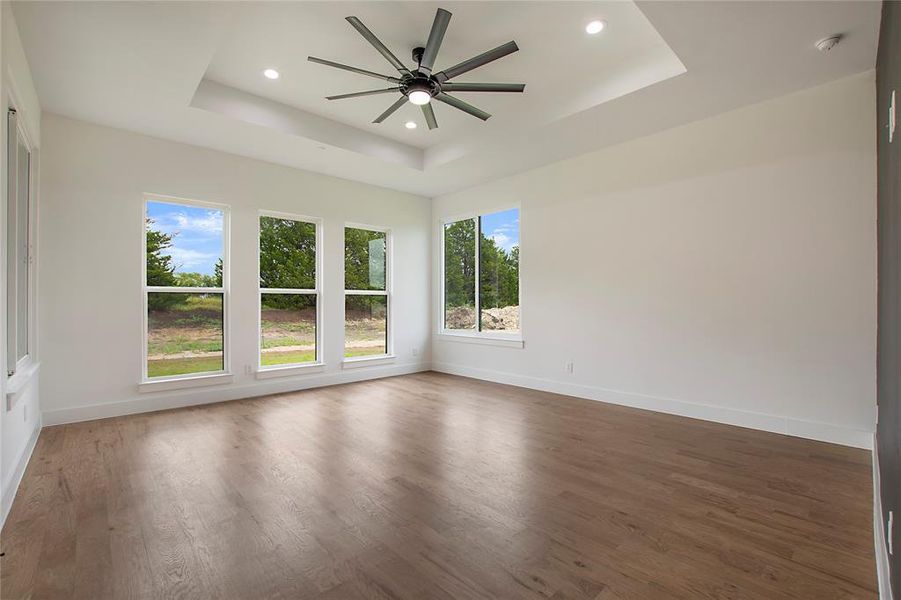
{"points": [[191, 72], [555, 55]]}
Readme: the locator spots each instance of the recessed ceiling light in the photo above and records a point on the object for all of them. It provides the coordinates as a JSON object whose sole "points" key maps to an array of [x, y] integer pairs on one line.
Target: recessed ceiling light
{"points": [[410, 124], [270, 74], [595, 27]]}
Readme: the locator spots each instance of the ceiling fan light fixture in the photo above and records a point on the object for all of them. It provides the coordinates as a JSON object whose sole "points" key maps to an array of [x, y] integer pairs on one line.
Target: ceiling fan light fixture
{"points": [[419, 97]]}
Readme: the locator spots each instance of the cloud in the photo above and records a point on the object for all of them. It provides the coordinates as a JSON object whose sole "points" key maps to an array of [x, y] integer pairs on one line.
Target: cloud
{"points": [[209, 223], [187, 260], [503, 240], [202, 223]]}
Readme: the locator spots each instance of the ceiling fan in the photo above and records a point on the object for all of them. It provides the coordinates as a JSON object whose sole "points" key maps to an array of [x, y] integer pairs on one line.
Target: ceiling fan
{"points": [[421, 85]]}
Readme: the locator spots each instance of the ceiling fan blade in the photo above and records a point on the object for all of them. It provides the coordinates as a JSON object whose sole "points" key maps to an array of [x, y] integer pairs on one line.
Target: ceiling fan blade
{"points": [[464, 106], [359, 94], [329, 63], [477, 61], [483, 87], [429, 114], [378, 45], [400, 102], [436, 36]]}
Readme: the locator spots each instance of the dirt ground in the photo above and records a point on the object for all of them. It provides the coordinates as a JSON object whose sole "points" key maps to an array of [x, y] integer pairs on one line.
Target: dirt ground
{"points": [[496, 319]]}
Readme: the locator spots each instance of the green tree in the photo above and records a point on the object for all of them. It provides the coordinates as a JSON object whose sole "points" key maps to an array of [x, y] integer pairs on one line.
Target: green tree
{"points": [[287, 258], [363, 269], [510, 284], [197, 280], [287, 254], [498, 275], [160, 270], [460, 263]]}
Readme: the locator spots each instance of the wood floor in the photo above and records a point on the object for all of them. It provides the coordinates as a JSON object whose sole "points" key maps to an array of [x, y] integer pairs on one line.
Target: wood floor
{"points": [[433, 486]]}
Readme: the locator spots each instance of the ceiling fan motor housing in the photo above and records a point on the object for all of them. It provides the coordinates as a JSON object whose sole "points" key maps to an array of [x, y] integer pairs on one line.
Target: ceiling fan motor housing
{"points": [[419, 82]]}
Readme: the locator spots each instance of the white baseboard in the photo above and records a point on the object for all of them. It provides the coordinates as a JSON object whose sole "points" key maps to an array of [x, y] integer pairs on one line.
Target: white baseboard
{"points": [[882, 561], [12, 486], [150, 402], [824, 432]]}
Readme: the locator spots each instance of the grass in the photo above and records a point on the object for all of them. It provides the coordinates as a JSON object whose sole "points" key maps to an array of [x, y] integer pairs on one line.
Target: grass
{"points": [[288, 340], [352, 352], [268, 359], [183, 344], [195, 326], [168, 367]]}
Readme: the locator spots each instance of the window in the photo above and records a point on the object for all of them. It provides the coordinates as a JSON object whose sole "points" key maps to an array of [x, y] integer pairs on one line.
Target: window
{"points": [[289, 291], [19, 245], [366, 292], [186, 278], [481, 274]]}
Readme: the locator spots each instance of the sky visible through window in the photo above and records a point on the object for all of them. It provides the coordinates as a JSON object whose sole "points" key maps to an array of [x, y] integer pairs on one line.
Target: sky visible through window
{"points": [[197, 235], [503, 227]]}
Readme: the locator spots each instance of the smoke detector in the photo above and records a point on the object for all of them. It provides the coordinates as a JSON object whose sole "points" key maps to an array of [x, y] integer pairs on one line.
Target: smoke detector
{"points": [[827, 44]]}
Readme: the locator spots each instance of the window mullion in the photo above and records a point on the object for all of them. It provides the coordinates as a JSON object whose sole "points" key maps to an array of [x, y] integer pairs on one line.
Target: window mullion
{"points": [[288, 291], [184, 290]]}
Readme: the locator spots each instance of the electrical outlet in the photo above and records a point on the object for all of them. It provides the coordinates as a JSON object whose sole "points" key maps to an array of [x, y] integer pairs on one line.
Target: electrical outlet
{"points": [[248, 370], [568, 367], [415, 351]]}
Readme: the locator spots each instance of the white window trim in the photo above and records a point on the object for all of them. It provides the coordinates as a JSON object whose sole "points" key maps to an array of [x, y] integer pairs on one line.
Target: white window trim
{"points": [[178, 382], [29, 365], [316, 366], [172, 382], [355, 362], [487, 339], [290, 370], [17, 382], [388, 356], [475, 336]]}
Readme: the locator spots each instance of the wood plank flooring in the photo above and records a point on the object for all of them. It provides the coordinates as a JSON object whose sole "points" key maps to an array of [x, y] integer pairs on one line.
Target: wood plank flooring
{"points": [[431, 486]]}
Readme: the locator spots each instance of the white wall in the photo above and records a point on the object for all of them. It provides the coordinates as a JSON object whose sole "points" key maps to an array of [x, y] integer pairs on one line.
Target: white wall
{"points": [[19, 426], [93, 181], [725, 269]]}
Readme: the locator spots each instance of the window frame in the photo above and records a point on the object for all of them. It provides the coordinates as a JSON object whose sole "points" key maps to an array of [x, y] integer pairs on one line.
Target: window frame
{"points": [[388, 293], [224, 375], [287, 369], [25, 367], [476, 335]]}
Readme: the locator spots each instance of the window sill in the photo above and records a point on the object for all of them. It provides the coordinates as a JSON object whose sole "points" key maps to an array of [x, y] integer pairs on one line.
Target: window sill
{"points": [[17, 383], [367, 361], [488, 340], [288, 370], [185, 382]]}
